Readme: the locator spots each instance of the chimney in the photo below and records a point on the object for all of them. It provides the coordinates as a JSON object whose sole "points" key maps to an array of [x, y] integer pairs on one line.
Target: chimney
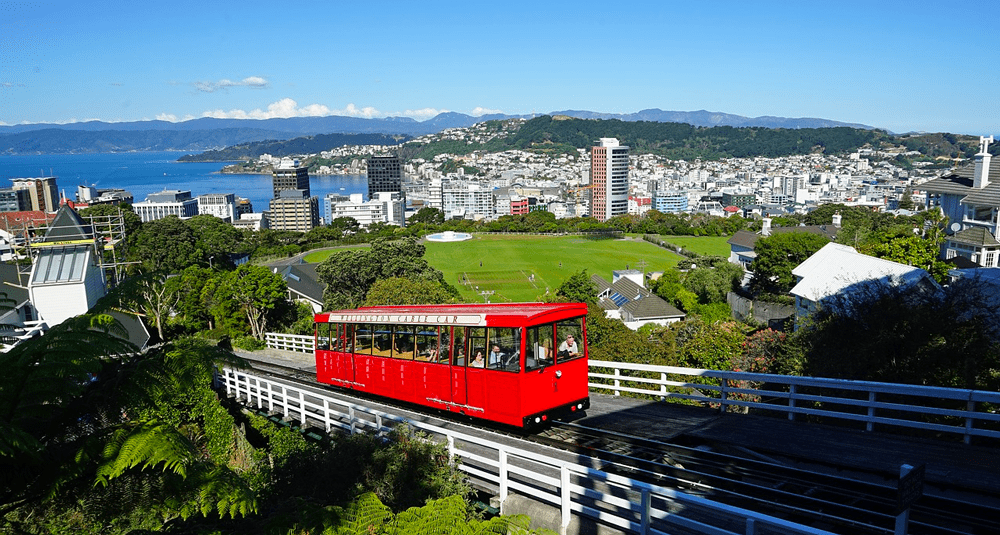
{"points": [[836, 219], [981, 176], [766, 229]]}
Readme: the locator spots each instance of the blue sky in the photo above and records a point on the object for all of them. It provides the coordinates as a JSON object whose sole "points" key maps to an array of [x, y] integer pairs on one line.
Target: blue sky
{"points": [[903, 66]]}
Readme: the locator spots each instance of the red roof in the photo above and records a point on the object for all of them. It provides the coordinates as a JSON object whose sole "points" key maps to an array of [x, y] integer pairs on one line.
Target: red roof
{"points": [[731, 209]]}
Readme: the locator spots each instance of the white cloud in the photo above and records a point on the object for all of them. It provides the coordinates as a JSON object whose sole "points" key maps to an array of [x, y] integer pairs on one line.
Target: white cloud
{"points": [[255, 82], [283, 108], [423, 113], [479, 110]]}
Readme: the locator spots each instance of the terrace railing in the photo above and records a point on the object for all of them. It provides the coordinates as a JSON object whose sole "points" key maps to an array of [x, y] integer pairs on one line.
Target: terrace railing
{"points": [[953, 411]]}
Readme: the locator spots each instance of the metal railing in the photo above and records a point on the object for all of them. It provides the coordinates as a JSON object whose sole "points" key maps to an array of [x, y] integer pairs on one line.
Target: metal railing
{"points": [[956, 411], [573, 488], [968, 413]]}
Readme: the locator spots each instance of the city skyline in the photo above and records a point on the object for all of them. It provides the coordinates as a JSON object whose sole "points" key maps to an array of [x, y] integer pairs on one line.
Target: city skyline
{"points": [[901, 66]]}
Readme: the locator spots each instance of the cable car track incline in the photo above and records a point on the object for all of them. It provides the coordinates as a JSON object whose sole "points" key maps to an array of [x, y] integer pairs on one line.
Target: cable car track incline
{"points": [[803, 496]]}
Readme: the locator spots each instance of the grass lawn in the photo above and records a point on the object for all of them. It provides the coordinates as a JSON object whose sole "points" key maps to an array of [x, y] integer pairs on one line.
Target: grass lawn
{"points": [[521, 268], [703, 245], [320, 255]]}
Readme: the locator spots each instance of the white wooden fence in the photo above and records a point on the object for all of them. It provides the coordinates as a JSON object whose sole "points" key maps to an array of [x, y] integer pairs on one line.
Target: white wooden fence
{"points": [[969, 413], [573, 488]]}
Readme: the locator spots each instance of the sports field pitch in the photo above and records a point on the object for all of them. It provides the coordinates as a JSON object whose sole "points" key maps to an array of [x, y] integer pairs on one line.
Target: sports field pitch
{"points": [[522, 268]]}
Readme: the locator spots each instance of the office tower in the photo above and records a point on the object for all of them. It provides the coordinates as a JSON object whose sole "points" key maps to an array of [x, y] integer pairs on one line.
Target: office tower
{"points": [[43, 192], [166, 203], [608, 179], [288, 175], [294, 209], [385, 173]]}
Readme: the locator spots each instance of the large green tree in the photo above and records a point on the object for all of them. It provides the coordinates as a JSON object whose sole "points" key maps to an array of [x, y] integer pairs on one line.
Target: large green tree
{"points": [[216, 239], [260, 295], [777, 255], [167, 245], [349, 275]]}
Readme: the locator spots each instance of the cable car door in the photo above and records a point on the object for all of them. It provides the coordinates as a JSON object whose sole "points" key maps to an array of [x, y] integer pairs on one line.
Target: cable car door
{"points": [[459, 358], [345, 339]]}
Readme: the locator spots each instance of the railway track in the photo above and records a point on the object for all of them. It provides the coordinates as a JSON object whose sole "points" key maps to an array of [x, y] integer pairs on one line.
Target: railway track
{"points": [[830, 502]]}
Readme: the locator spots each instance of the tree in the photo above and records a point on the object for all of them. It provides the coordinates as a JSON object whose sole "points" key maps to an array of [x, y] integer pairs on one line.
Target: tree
{"points": [[260, 295], [712, 284], [777, 255], [405, 291], [578, 288], [427, 216], [215, 238], [349, 275], [152, 296], [168, 246]]}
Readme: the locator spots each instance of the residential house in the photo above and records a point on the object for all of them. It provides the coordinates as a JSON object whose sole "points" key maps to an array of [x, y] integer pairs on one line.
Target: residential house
{"points": [[626, 299], [838, 269], [970, 198], [741, 245]]}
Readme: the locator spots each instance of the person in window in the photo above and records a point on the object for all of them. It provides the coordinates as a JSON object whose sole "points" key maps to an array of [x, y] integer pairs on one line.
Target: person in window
{"points": [[496, 357], [478, 362], [568, 348]]}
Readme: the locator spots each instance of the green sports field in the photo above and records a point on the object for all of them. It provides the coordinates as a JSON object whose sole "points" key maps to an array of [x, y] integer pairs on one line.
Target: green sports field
{"points": [[522, 268]]}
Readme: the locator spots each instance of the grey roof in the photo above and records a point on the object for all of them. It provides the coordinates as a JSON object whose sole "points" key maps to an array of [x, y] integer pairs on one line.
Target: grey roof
{"points": [[12, 285], [960, 182], [827, 231], [977, 236], [61, 264], [302, 279], [988, 196], [602, 285], [68, 225], [628, 289], [138, 334], [744, 238], [651, 307]]}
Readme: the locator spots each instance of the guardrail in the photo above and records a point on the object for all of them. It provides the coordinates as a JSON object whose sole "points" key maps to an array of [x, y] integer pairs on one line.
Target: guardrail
{"points": [[620, 501], [968, 413]]}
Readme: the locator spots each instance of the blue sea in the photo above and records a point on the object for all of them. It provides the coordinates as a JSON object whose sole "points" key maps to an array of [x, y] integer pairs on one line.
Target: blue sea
{"points": [[143, 173]]}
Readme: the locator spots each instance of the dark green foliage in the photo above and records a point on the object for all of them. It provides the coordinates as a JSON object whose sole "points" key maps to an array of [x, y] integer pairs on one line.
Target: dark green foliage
{"points": [[349, 275], [167, 245], [777, 255], [407, 291], [578, 288], [899, 335]]}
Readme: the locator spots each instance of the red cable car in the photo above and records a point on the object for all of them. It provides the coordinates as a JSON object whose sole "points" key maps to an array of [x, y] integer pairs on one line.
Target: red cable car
{"points": [[519, 364]]}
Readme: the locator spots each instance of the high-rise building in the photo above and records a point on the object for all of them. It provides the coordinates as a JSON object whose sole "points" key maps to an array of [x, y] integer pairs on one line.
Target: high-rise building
{"points": [[14, 200], [294, 209], [385, 173], [608, 179], [289, 175], [43, 192]]}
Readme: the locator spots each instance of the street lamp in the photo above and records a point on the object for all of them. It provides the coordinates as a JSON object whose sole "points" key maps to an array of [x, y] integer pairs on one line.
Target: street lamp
{"points": [[210, 262]]}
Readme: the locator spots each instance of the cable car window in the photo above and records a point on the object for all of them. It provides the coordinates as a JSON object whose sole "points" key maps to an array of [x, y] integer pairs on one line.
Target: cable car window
{"points": [[444, 347], [477, 346], [323, 335], [504, 349], [459, 348], [570, 336], [539, 347], [363, 339], [427, 343], [382, 340], [402, 342], [346, 337]]}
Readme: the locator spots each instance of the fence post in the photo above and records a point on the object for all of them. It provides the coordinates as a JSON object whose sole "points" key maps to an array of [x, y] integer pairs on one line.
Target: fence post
{"points": [[647, 506], [326, 415], [751, 526], [564, 494], [302, 409], [791, 402], [284, 401], [723, 395], [870, 425], [617, 382], [503, 475], [663, 386], [354, 422], [970, 407]]}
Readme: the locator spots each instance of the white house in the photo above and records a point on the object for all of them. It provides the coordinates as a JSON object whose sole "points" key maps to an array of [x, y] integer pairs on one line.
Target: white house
{"points": [[838, 269]]}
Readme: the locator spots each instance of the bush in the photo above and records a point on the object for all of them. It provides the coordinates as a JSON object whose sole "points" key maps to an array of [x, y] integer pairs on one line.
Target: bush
{"points": [[248, 343]]}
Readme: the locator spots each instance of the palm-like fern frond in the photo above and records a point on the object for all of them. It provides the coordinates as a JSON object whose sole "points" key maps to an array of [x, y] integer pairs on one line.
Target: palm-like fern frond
{"points": [[149, 444]]}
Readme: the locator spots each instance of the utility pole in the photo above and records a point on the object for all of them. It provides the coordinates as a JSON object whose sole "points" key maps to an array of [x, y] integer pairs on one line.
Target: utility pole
{"points": [[486, 295]]}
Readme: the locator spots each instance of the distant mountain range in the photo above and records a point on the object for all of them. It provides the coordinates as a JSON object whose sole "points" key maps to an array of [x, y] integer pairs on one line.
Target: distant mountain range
{"points": [[209, 133]]}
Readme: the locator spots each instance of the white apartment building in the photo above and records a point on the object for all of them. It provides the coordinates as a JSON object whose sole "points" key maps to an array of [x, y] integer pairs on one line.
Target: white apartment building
{"points": [[329, 201], [469, 201], [166, 203], [221, 205], [387, 207]]}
